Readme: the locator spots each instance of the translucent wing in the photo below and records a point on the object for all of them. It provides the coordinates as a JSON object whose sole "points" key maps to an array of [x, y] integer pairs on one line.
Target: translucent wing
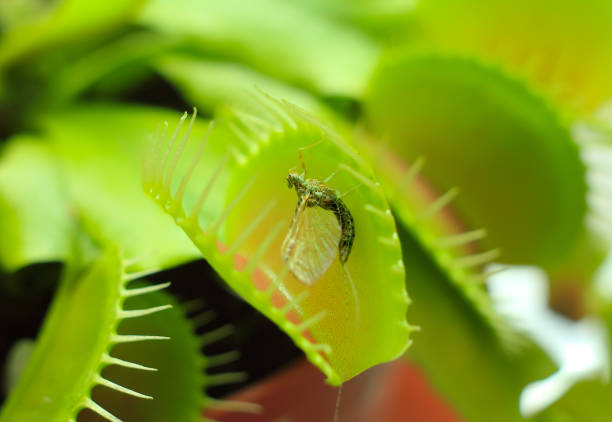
{"points": [[311, 244]]}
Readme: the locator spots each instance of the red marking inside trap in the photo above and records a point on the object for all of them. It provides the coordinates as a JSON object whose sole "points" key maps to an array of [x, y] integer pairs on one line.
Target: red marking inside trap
{"points": [[260, 280], [221, 246], [262, 283], [240, 262], [278, 300]]}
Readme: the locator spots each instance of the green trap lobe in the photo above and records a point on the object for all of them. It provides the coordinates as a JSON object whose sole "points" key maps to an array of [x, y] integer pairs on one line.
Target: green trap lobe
{"points": [[519, 173], [242, 239]]}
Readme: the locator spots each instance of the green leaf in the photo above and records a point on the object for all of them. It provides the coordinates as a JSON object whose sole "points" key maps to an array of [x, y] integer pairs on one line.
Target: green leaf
{"points": [[384, 19], [108, 348], [344, 322], [70, 20], [560, 46], [210, 84], [273, 36], [35, 217], [73, 345], [98, 147], [181, 373], [519, 174], [114, 63], [462, 359]]}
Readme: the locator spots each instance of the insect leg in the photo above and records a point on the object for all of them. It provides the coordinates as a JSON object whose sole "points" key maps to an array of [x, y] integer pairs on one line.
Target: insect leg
{"points": [[353, 174], [351, 190], [328, 178], [331, 176]]}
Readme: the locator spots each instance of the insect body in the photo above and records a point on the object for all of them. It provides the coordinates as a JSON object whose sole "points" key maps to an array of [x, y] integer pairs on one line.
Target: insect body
{"points": [[316, 236]]}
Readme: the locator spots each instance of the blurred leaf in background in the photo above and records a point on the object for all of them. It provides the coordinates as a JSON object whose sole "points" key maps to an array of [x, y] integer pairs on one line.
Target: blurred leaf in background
{"points": [[495, 98]]}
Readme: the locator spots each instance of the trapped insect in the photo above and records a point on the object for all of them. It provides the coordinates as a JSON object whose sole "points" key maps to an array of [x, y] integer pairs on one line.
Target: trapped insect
{"points": [[322, 227]]}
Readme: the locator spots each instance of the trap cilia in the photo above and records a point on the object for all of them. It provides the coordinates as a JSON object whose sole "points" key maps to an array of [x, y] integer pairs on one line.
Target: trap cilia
{"points": [[324, 265]]}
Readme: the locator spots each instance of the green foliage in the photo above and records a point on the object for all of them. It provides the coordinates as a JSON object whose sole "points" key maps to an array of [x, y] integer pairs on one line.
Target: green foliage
{"points": [[455, 343], [118, 349], [34, 210], [113, 67], [275, 37], [496, 141], [102, 162], [469, 121], [241, 235], [84, 171], [211, 83], [66, 22], [75, 344], [561, 47]]}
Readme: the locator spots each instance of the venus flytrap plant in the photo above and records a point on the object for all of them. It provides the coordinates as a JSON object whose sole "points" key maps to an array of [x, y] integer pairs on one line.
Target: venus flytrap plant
{"points": [[479, 166], [489, 135], [114, 349], [455, 328], [508, 156], [559, 47], [242, 239], [101, 167], [456, 250], [481, 174], [76, 345], [26, 237], [182, 370], [61, 23], [79, 166], [209, 83], [339, 65]]}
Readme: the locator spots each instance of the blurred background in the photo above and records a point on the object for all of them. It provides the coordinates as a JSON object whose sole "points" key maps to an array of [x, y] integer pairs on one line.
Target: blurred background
{"points": [[488, 124]]}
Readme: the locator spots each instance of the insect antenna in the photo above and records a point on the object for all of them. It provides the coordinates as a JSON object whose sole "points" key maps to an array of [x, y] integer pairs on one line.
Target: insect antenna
{"points": [[331, 176], [351, 190], [301, 149]]}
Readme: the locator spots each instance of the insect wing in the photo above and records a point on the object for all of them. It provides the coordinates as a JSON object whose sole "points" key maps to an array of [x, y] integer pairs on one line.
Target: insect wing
{"points": [[311, 244]]}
